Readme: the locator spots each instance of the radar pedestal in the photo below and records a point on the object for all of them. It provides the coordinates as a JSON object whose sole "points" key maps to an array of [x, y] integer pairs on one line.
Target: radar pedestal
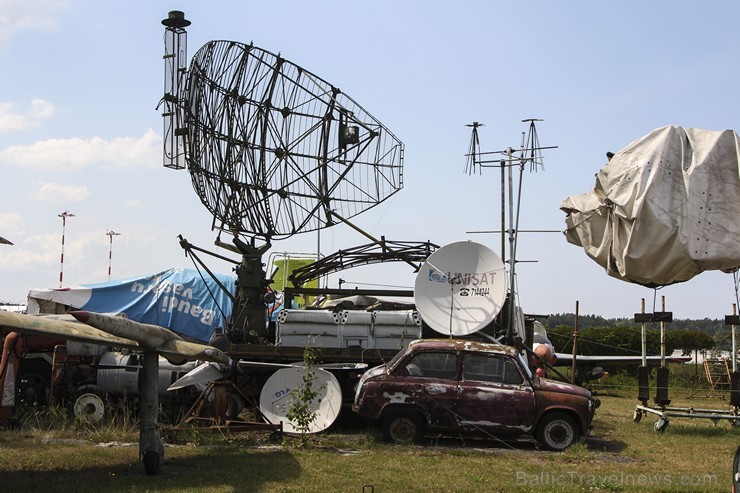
{"points": [[249, 324]]}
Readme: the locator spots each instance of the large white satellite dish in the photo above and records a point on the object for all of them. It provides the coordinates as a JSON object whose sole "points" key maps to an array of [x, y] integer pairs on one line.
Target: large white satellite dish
{"points": [[460, 288], [275, 398]]}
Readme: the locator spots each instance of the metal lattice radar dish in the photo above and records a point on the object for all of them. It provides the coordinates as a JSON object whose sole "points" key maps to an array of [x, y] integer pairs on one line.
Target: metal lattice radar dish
{"points": [[274, 150]]}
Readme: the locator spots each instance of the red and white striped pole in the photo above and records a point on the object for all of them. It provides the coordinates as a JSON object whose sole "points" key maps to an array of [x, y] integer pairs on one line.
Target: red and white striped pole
{"points": [[64, 215], [110, 234]]}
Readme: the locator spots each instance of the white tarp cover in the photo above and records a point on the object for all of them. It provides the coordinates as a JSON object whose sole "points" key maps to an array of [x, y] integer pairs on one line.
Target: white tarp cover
{"points": [[664, 209]]}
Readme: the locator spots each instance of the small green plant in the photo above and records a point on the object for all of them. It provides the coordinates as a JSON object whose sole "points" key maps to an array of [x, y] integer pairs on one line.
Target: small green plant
{"points": [[300, 407]]}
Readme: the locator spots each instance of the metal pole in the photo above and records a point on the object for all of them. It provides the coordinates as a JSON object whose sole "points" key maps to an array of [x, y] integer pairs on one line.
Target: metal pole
{"points": [[64, 215], [503, 210], [512, 233], [662, 334], [734, 340], [644, 334], [110, 234]]}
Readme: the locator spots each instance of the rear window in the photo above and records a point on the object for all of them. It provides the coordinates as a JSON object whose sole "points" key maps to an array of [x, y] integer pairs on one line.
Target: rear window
{"points": [[493, 369], [436, 364]]}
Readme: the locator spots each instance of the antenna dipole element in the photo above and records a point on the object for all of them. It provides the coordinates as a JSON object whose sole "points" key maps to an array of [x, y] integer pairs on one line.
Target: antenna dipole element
{"points": [[474, 151]]}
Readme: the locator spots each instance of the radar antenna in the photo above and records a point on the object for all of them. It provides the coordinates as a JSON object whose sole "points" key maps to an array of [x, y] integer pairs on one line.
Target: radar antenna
{"points": [[272, 150]]}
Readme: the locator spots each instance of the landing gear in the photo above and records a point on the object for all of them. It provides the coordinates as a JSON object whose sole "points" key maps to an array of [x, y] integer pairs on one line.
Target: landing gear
{"points": [[152, 462]]}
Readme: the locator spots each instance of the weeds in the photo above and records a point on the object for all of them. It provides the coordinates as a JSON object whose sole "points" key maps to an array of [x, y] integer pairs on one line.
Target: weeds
{"points": [[301, 410]]}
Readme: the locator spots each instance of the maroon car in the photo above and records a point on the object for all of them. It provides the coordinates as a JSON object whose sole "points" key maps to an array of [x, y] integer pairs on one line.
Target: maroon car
{"points": [[473, 388]]}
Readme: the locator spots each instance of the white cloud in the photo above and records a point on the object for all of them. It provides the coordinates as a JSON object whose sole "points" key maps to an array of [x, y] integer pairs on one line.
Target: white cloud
{"points": [[33, 252], [11, 119], [56, 192], [27, 15], [12, 226], [74, 154], [132, 203]]}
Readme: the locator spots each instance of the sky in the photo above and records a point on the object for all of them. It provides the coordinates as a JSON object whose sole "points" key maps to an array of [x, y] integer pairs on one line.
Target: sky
{"points": [[80, 132]]}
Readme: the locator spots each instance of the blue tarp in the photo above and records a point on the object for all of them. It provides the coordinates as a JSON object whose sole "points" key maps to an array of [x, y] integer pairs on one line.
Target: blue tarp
{"points": [[179, 299]]}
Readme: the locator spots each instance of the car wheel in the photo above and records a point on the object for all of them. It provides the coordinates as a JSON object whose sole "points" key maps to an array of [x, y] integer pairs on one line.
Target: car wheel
{"points": [[403, 427], [557, 431]]}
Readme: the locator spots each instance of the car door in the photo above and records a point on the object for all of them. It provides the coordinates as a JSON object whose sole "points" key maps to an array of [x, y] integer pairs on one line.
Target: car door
{"points": [[430, 380], [494, 396]]}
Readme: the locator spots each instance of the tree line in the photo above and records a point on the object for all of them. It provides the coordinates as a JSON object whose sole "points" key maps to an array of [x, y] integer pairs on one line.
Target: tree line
{"points": [[622, 336], [708, 325], [620, 341]]}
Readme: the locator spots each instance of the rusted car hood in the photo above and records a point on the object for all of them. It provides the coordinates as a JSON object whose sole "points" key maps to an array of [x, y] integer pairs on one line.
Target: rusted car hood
{"points": [[555, 386]]}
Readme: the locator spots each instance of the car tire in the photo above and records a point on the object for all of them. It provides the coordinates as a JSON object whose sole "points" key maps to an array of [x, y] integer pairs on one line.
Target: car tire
{"points": [[403, 427], [557, 432]]}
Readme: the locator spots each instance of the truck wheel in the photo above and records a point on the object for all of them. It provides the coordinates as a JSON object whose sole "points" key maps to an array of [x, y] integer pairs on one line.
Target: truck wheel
{"points": [[90, 404], [403, 427], [32, 385], [557, 431]]}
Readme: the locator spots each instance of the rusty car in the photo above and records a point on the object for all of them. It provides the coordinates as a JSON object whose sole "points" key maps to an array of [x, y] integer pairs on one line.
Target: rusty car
{"points": [[462, 387]]}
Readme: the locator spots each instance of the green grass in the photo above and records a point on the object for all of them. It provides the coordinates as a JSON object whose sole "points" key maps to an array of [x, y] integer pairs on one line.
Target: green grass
{"points": [[619, 455]]}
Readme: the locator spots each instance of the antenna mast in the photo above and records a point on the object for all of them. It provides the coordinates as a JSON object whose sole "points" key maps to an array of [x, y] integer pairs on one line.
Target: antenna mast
{"points": [[529, 152]]}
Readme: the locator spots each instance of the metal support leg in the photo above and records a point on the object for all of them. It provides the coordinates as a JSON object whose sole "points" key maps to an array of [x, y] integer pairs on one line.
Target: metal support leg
{"points": [[151, 449]]}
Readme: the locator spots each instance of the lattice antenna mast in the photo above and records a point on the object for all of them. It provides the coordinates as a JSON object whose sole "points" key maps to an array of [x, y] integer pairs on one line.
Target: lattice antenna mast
{"points": [[175, 79], [529, 152]]}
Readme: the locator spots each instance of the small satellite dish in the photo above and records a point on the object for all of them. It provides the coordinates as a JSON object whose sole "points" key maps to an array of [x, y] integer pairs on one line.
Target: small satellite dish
{"points": [[275, 398], [460, 288]]}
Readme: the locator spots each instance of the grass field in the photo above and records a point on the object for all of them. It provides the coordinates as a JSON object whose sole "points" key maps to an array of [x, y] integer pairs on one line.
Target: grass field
{"points": [[619, 455]]}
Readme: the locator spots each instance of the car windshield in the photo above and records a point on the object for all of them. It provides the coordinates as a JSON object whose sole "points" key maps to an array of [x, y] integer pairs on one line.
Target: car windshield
{"points": [[525, 366], [395, 359]]}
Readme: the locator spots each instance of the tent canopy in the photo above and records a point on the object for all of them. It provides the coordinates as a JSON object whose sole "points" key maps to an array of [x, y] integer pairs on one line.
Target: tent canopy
{"points": [[179, 299]]}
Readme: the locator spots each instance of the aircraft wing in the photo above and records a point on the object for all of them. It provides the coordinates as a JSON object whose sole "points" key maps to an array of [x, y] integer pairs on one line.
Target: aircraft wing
{"points": [[140, 337], [73, 331], [565, 359]]}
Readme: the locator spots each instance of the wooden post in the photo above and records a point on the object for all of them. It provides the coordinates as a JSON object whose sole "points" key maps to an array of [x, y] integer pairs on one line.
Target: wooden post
{"points": [[575, 348]]}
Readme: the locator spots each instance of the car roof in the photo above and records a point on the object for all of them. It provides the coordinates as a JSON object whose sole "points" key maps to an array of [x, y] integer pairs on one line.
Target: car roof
{"points": [[462, 345]]}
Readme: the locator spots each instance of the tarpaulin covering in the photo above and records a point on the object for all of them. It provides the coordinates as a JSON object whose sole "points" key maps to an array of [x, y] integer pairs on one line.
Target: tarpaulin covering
{"points": [[179, 299], [664, 209]]}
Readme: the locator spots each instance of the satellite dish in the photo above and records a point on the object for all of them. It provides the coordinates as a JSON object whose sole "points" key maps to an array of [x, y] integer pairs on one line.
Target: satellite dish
{"points": [[460, 288], [275, 398]]}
